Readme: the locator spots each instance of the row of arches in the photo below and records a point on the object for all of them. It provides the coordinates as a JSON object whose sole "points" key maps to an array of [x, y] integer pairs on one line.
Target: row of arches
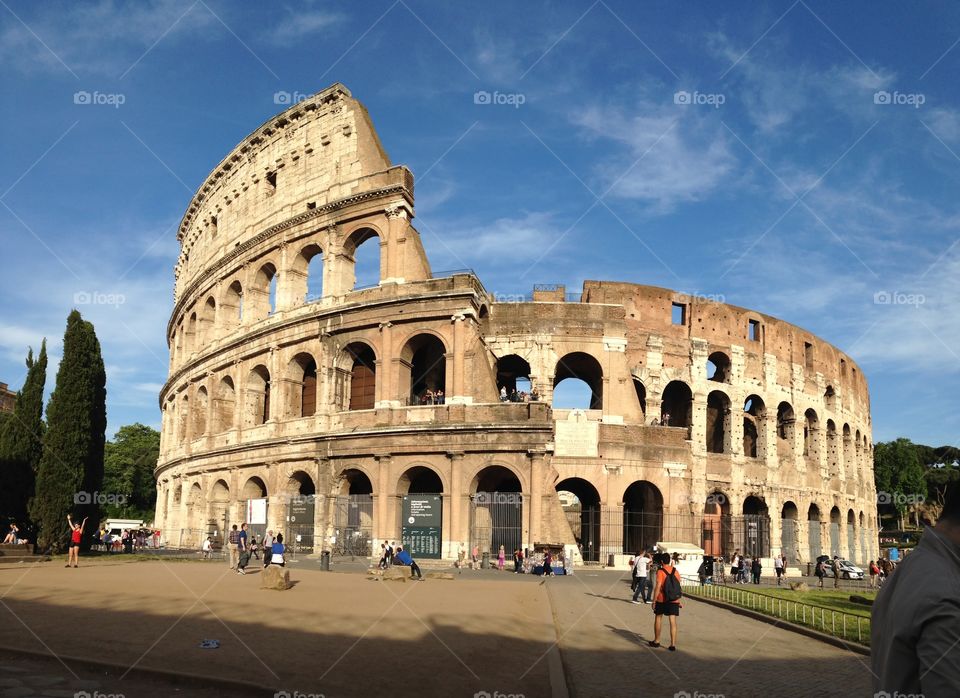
{"points": [[250, 298]]}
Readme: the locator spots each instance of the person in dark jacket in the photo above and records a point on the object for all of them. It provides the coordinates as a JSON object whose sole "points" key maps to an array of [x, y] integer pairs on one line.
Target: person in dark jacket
{"points": [[756, 569]]}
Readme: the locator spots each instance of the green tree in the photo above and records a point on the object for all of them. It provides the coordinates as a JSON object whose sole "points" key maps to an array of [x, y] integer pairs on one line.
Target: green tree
{"points": [[21, 442], [898, 473], [128, 464], [71, 468]]}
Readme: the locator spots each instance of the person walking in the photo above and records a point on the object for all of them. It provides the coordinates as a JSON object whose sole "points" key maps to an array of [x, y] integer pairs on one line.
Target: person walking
{"points": [[76, 536], [836, 572], [242, 546], [874, 571], [547, 564], [742, 570], [820, 572], [778, 568], [666, 595], [641, 575], [633, 572], [501, 558], [267, 547], [474, 557], [517, 561], [403, 558], [232, 540], [756, 569], [205, 548]]}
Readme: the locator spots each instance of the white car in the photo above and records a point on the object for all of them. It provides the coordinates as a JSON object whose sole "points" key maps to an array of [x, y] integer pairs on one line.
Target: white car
{"points": [[848, 570]]}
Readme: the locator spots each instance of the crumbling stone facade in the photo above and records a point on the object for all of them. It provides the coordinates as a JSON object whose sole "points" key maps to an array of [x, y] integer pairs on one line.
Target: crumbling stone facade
{"points": [[707, 423]]}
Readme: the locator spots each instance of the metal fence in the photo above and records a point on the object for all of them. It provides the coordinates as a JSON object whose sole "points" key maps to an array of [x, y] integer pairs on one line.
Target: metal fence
{"points": [[847, 626], [352, 525], [496, 518]]}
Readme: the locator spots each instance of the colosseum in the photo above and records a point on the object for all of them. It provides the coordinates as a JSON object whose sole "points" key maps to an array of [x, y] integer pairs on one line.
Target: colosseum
{"points": [[419, 407]]}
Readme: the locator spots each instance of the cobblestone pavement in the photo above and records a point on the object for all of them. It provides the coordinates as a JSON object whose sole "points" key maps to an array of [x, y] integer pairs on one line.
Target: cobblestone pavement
{"points": [[605, 653]]}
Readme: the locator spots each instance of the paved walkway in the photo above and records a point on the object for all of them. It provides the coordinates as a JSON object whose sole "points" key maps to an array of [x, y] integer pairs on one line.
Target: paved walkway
{"points": [[605, 653]]}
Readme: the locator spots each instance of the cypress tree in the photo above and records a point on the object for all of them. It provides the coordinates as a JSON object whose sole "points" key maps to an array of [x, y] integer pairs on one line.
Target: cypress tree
{"points": [[71, 467], [21, 443]]}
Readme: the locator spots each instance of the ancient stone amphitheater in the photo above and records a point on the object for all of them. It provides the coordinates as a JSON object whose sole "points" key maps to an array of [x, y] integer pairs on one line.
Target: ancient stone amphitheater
{"points": [[306, 403]]}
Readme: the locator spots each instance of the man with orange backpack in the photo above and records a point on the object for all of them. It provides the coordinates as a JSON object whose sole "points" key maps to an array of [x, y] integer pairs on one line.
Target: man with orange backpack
{"points": [[666, 600]]}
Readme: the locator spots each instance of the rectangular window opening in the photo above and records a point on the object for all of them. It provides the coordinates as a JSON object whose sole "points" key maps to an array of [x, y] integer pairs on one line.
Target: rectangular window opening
{"points": [[679, 314], [753, 330], [272, 181], [808, 354]]}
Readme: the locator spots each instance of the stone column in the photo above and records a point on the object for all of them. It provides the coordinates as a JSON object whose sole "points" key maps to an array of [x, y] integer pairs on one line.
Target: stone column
{"points": [[537, 477], [459, 533], [454, 388], [767, 439], [383, 527], [386, 391], [392, 267]]}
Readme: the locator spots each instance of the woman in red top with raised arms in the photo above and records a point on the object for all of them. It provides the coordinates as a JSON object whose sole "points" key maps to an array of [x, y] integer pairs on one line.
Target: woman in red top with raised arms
{"points": [[76, 534]]}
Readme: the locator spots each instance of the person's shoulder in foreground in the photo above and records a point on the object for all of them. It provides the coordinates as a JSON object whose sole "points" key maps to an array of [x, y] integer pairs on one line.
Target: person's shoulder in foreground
{"points": [[915, 633]]}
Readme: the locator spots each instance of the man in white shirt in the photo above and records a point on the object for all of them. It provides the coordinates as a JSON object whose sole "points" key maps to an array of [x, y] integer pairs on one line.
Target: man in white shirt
{"points": [[640, 573]]}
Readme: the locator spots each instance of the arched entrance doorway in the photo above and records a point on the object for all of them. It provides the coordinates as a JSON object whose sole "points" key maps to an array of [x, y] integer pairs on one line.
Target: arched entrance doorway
{"points": [[301, 511], [254, 499], [218, 512], [756, 528], [813, 532], [496, 511], [789, 537], [353, 514], [420, 514], [581, 505], [716, 537], [835, 532], [642, 516]]}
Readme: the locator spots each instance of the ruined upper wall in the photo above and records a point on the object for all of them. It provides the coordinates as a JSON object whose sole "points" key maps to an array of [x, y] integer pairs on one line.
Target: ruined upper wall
{"points": [[649, 310], [317, 151]]}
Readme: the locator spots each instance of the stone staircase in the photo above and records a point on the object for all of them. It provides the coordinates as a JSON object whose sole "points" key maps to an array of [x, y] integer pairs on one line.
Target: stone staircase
{"points": [[13, 554]]}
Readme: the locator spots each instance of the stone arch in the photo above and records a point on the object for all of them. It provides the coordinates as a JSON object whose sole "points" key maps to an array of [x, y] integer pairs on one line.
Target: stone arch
{"points": [[716, 536], [513, 375], [830, 399], [811, 438], [497, 510], [754, 433], [225, 405], [305, 277], [253, 488], [756, 527], [642, 516], [183, 417], [833, 449], [208, 320], [835, 521], [302, 386], [676, 405], [361, 271], [641, 391], [191, 340], [851, 535], [200, 412], [848, 450], [580, 501], [496, 477], [786, 430], [420, 479], [353, 481], [218, 509], [814, 543], [718, 422], [361, 361], [423, 367], [719, 367], [231, 305], [195, 511], [263, 292], [583, 367], [257, 404], [790, 531], [300, 483]]}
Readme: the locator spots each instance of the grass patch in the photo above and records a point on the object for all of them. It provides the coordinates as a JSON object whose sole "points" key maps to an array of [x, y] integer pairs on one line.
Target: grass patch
{"points": [[830, 599]]}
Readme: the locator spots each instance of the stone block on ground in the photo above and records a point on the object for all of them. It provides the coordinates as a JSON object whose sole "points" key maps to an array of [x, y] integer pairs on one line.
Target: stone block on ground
{"points": [[274, 577], [438, 575], [395, 574], [799, 586]]}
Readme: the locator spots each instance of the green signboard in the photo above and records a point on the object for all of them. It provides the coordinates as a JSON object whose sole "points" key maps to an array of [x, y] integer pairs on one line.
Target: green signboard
{"points": [[422, 519]]}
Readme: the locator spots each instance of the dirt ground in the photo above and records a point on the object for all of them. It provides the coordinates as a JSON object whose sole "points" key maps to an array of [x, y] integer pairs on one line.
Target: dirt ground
{"points": [[331, 634]]}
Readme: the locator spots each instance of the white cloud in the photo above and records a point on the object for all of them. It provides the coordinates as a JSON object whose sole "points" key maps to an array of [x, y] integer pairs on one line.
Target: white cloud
{"points": [[298, 25], [672, 154]]}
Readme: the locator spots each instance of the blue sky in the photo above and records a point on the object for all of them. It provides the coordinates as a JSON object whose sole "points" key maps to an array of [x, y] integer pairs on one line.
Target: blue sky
{"points": [[796, 158]]}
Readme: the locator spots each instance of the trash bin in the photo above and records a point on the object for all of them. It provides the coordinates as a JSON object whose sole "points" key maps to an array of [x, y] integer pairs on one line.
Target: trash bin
{"points": [[325, 561], [485, 562]]}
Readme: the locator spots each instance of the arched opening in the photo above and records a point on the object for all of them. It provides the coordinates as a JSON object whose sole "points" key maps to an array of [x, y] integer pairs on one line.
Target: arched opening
{"points": [[584, 387], [200, 413], [864, 553], [232, 306], [642, 516], [362, 251], [851, 535], [225, 405], [353, 514], [190, 343], [257, 407], [513, 377], [789, 532], [756, 527], [811, 437], [253, 488], [786, 425], [641, 392], [263, 292], [497, 511], [718, 422], [363, 376], [813, 533], [718, 367], [581, 505], [754, 436], [208, 321], [420, 480], [302, 382], [218, 512], [830, 398], [717, 534], [255, 513], [848, 461], [423, 369], [833, 449], [306, 275], [196, 525], [676, 405], [835, 532], [183, 417]]}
